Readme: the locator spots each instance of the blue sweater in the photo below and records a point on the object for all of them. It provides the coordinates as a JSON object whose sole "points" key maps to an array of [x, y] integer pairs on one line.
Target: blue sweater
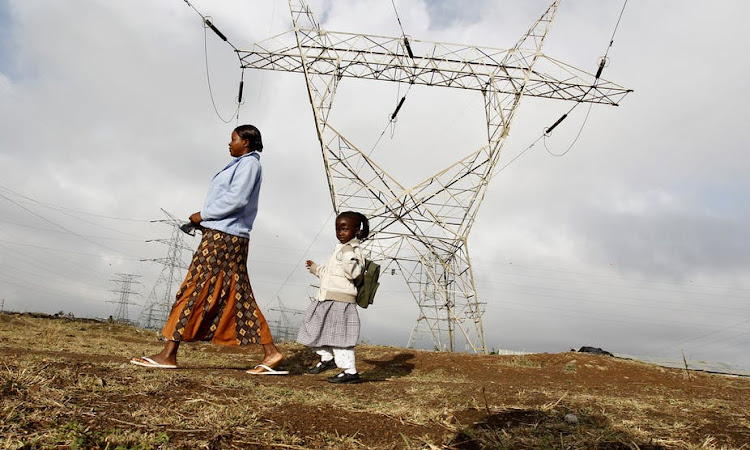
{"points": [[232, 199]]}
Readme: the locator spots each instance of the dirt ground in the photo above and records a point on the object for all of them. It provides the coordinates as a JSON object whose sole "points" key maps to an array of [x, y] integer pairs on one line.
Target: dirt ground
{"points": [[68, 384]]}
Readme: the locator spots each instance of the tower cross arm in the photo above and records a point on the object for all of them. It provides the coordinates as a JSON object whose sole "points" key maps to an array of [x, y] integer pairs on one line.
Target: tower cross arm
{"points": [[433, 64]]}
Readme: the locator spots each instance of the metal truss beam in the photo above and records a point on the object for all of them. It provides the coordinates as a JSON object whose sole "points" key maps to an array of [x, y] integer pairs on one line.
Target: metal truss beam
{"points": [[434, 64], [424, 229]]}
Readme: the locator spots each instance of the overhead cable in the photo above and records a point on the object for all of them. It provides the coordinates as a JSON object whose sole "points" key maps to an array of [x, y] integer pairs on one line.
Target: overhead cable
{"points": [[61, 227], [546, 132], [208, 24], [602, 64]]}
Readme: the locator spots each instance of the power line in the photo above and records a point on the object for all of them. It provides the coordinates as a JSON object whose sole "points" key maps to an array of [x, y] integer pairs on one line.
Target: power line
{"points": [[304, 255], [128, 258], [647, 286], [392, 118], [564, 310], [604, 300], [716, 341], [50, 230], [403, 33], [25, 285], [575, 272], [97, 225], [210, 90], [71, 210], [602, 63], [38, 267], [208, 23], [60, 226]]}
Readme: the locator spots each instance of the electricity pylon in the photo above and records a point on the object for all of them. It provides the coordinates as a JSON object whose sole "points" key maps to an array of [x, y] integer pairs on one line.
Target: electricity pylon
{"points": [[286, 328], [424, 228], [125, 282], [160, 300]]}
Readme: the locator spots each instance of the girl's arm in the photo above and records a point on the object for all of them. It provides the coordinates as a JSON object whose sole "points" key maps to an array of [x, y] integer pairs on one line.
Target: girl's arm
{"points": [[314, 268]]}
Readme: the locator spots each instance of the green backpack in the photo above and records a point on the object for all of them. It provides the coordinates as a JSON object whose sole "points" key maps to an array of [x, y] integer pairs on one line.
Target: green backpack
{"points": [[367, 283]]}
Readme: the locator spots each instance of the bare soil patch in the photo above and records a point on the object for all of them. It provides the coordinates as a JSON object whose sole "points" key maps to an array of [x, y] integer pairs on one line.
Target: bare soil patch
{"points": [[68, 384]]}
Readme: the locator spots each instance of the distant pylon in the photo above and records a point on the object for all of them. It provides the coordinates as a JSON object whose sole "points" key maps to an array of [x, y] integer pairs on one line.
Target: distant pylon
{"points": [[125, 282], [285, 329], [148, 317], [160, 300]]}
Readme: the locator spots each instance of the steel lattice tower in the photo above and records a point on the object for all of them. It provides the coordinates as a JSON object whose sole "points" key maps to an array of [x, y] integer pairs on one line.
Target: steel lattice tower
{"points": [[424, 228], [160, 299], [125, 282], [285, 328]]}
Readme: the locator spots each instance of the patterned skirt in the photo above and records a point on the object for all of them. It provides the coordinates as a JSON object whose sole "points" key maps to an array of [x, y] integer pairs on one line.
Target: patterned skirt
{"points": [[329, 324], [215, 302]]}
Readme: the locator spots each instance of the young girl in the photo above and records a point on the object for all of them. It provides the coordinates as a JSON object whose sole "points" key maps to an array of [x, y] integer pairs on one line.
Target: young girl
{"points": [[331, 323]]}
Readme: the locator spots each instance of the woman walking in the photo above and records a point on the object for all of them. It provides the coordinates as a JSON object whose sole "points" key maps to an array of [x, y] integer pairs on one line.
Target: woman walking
{"points": [[215, 302]]}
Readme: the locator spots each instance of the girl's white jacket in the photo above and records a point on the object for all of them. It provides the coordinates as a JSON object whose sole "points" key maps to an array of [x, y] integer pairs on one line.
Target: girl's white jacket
{"points": [[337, 276]]}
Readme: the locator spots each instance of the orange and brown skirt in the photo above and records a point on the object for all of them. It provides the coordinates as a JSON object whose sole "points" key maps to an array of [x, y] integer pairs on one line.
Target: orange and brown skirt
{"points": [[215, 302]]}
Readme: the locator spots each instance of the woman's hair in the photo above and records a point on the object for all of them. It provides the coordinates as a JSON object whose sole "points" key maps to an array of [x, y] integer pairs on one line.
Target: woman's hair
{"points": [[362, 223], [251, 135]]}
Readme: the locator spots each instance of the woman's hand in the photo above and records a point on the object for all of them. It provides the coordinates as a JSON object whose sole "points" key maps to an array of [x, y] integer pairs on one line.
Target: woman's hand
{"points": [[196, 217], [309, 263]]}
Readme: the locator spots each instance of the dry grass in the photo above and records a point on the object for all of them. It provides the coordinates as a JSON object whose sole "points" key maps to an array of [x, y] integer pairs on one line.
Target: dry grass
{"points": [[67, 384]]}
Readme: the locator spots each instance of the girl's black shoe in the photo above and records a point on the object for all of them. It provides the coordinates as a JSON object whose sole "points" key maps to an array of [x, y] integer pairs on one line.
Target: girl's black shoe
{"points": [[344, 377], [322, 366]]}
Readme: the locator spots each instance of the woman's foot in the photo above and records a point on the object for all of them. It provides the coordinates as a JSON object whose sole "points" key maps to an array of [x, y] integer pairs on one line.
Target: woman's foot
{"points": [[271, 361], [166, 359], [154, 362]]}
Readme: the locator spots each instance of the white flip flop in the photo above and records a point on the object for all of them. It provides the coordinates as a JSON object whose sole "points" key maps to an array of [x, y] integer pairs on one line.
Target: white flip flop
{"points": [[151, 363], [267, 371]]}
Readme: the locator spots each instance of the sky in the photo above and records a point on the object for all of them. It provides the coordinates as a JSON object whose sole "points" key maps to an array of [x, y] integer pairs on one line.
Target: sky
{"points": [[634, 240]]}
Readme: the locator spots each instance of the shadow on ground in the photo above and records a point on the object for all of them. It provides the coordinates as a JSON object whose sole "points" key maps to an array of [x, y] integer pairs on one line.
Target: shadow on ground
{"points": [[298, 362], [397, 366], [529, 428]]}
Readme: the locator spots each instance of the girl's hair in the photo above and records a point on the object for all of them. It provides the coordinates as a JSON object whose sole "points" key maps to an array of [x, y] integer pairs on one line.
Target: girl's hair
{"points": [[251, 135], [362, 223]]}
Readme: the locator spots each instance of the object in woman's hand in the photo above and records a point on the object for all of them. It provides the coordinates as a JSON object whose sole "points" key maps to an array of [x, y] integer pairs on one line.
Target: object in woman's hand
{"points": [[190, 227]]}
